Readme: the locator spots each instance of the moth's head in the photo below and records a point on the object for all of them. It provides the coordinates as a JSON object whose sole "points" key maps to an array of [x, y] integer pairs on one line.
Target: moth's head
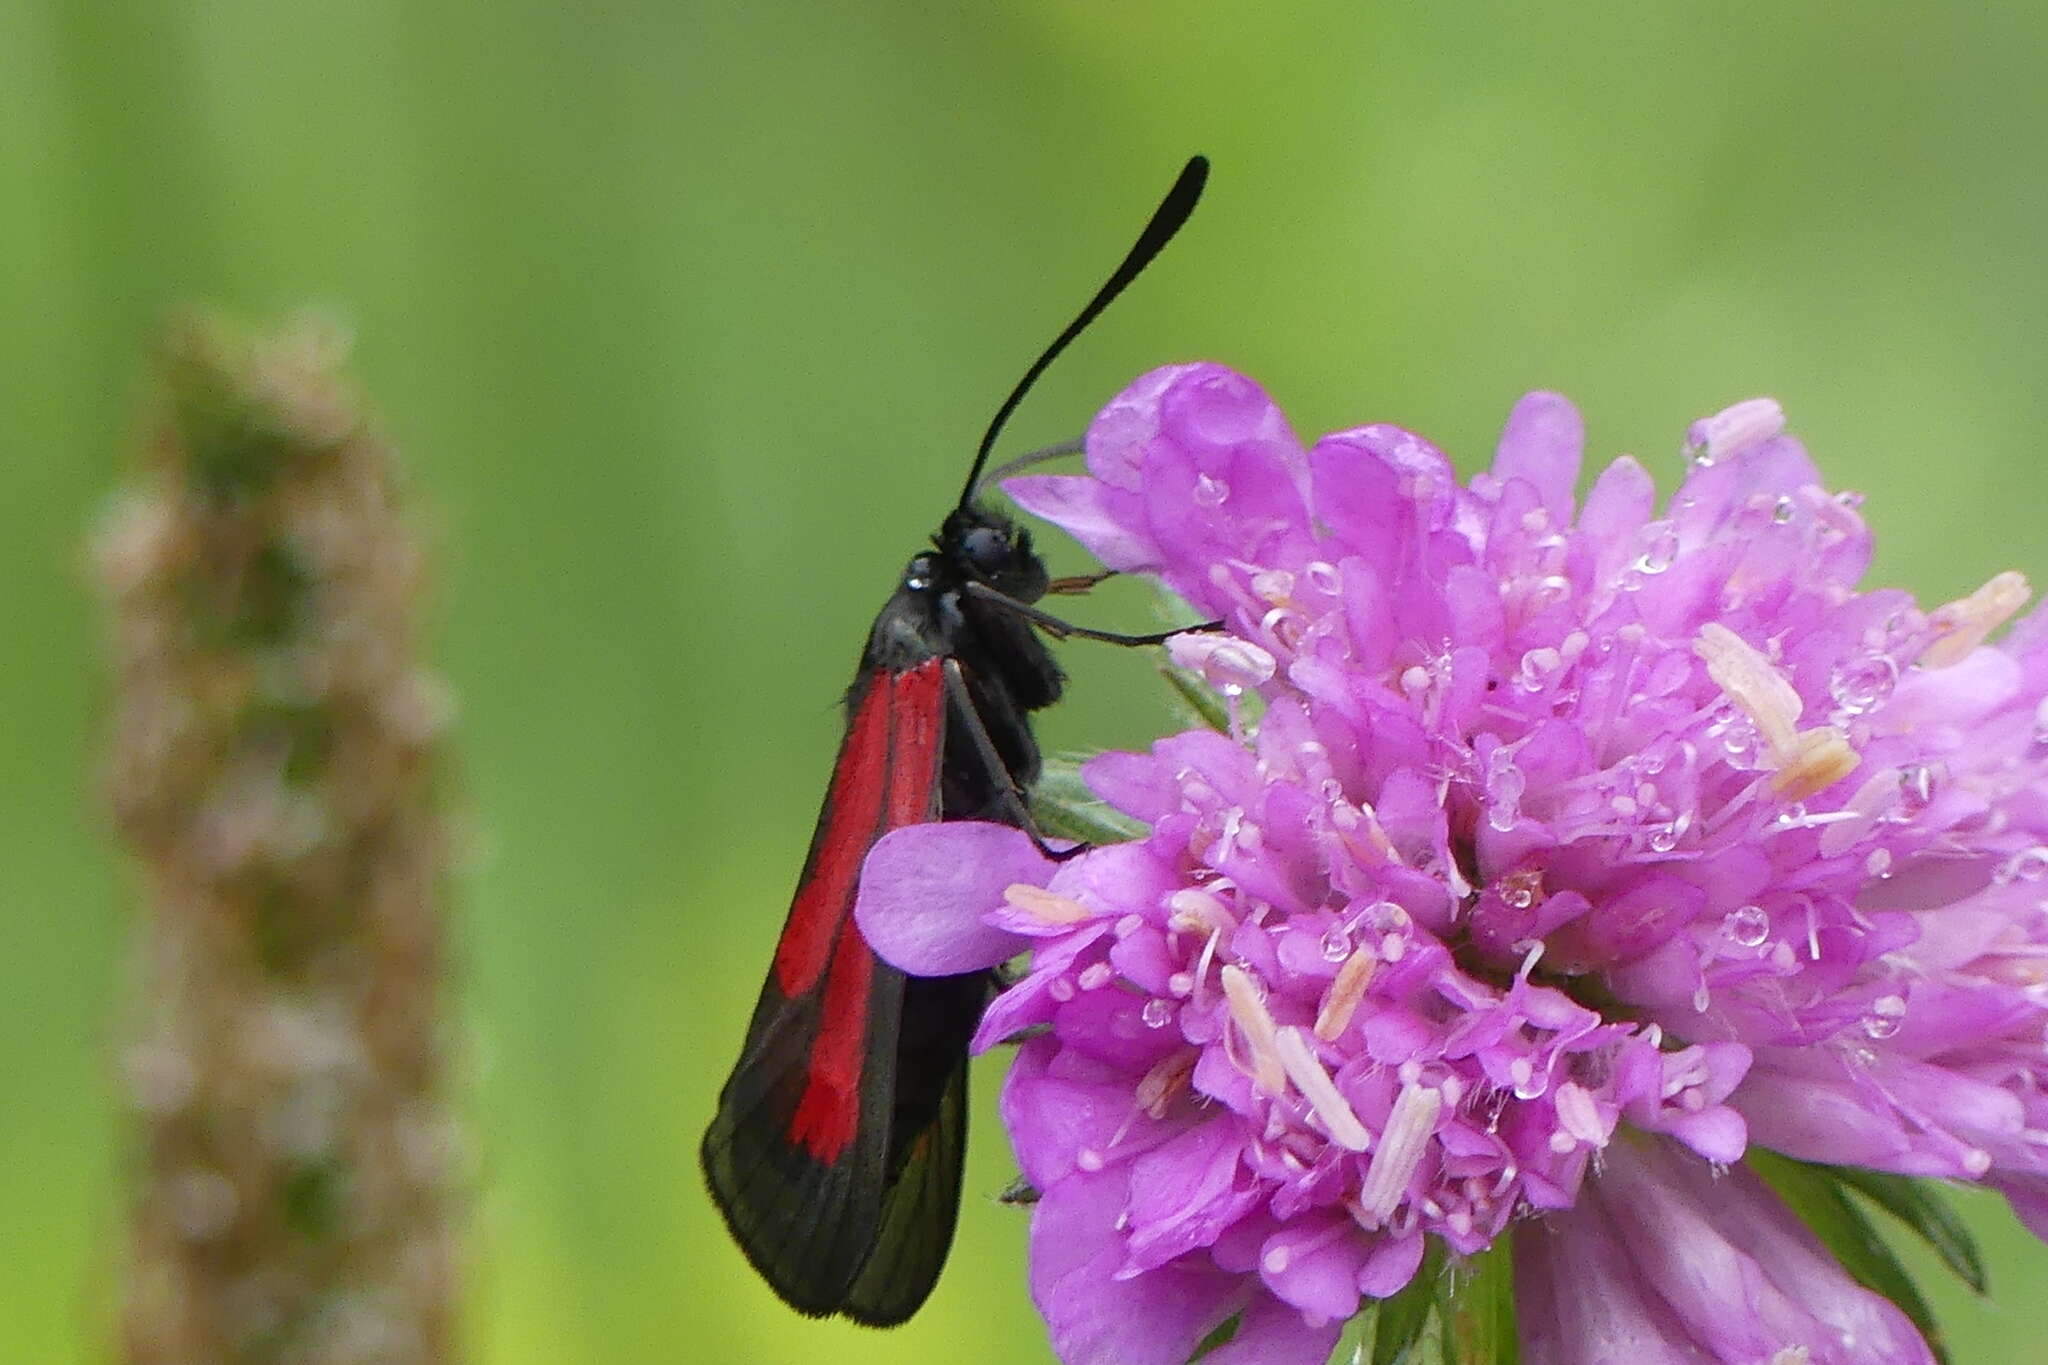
{"points": [[992, 549]]}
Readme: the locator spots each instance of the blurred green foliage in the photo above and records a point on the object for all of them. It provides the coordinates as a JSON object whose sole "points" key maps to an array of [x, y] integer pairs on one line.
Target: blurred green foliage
{"points": [[687, 316]]}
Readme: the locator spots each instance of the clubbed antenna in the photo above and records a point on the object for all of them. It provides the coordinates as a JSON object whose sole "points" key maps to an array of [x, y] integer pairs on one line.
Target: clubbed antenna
{"points": [[272, 771]]}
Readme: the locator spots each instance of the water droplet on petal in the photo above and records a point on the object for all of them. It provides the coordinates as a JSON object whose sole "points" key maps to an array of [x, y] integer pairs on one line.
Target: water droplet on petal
{"points": [[1530, 1083], [1748, 925], [1157, 1013], [1210, 491], [2028, 865], [1863, 683], [1336, 944], [1537, 667], [1664, 838], [1884, 1016], [1781, 511], [1660, 548], [1916, 789]]}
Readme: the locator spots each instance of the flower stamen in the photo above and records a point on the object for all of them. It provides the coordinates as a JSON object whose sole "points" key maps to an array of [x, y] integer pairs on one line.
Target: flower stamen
{"points": [[1307, 1073], [1045, 906], [1256, 1027], [1345, 993], [1964, 624], [1410, 1125], [1807, 761]]}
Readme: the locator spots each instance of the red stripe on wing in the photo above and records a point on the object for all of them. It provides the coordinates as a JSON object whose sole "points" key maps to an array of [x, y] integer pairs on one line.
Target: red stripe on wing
{"points": [[910, 715], [855, 807]]}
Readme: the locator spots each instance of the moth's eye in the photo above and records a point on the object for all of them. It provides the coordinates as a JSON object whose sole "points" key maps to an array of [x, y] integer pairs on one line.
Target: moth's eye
{"points": [[986, 548]]}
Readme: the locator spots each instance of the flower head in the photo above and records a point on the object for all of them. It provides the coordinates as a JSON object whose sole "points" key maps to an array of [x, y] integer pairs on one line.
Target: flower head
{"points": [[1568, 843]]}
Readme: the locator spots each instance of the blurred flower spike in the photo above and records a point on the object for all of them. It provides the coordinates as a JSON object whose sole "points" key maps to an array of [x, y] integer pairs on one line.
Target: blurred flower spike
{"points": [[1584, 864]]}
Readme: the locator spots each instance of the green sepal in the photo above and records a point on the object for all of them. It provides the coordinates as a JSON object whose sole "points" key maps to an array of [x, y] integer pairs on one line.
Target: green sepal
{"points": [[1816, 1194], [1477, 1305], [1064, 807], [1198, 702], [1920, 1205], [1220, 1336], [1402, 1331]]}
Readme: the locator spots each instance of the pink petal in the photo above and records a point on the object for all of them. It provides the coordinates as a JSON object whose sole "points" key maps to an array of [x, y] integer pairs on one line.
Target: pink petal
{"points": [[924, 890], [1541, 445]]}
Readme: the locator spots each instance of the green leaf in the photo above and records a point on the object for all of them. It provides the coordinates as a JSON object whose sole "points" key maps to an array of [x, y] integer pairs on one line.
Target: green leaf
{"points": [[1479, 1312], [1064, 807], [1920, 1205], [1199, 701], [1816, 1194], [1402, 1330]]}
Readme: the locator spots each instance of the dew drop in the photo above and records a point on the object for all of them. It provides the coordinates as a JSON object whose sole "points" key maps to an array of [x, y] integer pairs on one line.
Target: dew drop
{"points": [[1863, 683], [1548, 591], [1336, 945], [1738, 741], [1916, 789], [1157, 1013], [1537, 667], [1664, 838], [1660, 549], [2028, 865], [1504, 788], [1748, 925], [1781, 511], [1529, 1082], [1209, 491], [1884, 1016]]}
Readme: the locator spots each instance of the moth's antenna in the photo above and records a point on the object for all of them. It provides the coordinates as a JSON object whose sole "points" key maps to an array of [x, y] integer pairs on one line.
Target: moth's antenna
{"points": [[1173, 211]]}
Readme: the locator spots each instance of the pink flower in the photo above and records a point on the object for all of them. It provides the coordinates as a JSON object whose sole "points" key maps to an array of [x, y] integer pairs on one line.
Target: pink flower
{"points": [[1568, 855]]}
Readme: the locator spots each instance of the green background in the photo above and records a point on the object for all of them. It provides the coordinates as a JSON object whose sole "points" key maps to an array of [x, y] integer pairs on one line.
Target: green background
{"points": [[687, 315]]}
